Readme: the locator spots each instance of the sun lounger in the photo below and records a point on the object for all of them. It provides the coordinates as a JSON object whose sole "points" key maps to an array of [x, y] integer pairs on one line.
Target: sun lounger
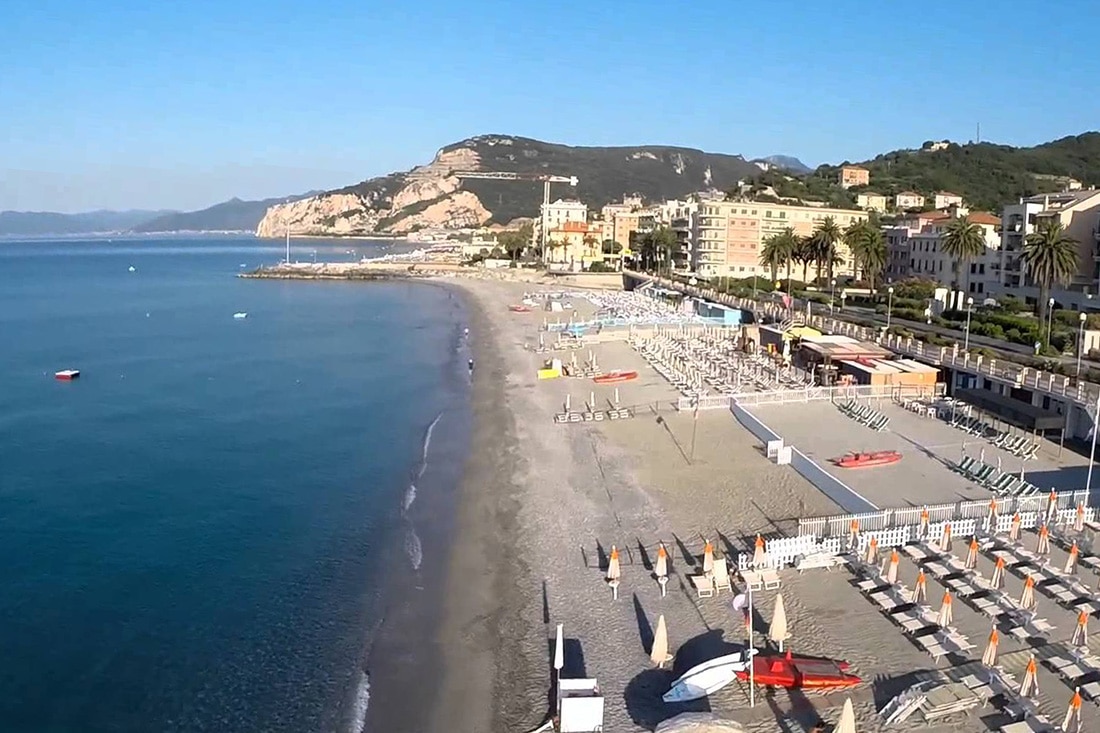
{"points": [[770, 578], [704, 585], [753, 579], [721, 576], [965, 465], [984, 473]]}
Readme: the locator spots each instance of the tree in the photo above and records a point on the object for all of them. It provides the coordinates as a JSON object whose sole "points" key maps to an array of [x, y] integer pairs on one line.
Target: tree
{"points": [[872, 256], [963, 240], [1050, 256], [777, 251], [658, 246], [825, 237], [611, 247], [804, 254]]}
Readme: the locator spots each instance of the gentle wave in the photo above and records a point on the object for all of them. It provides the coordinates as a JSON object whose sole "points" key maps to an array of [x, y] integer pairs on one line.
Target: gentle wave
{"points": [[427, 445], [413, 548], [410, 497], [359, 706]]}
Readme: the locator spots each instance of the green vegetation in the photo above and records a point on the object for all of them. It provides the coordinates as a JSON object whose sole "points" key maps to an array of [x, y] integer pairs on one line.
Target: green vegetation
{"points": [[963, 241], [868, 247], [823, 245], [657, 249], [1051, 259], [778, 251]]}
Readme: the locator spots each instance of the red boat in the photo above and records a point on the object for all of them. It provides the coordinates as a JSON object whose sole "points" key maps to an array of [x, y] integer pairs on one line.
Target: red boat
{"points": [[519, 309], [862, 460], [67, 375], [615, 377], [787, 671]]}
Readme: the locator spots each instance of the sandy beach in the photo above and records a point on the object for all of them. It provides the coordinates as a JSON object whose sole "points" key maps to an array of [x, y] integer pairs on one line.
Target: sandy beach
{"points": [[543, 503]]}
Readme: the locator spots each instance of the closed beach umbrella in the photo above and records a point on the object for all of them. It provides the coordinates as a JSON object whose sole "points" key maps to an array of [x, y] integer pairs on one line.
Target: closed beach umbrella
{"points": [[1042, 545], [972, 554], [847, 722], [1071, 561], [708, 558], [777, 632], [1052, 506], [998, 580], [1079, 518], [945, 538], [1027, 598], [659, 653], [1081, 633], [559, 650], [662, 562], [853, 534], [990, 656], [613, 572], [1014, 529], [992, 519], [1073, 712], [945, 616], [922, 531], [920, 590], [872, 551], [892, 568], [760, 553], [1030, 684]]}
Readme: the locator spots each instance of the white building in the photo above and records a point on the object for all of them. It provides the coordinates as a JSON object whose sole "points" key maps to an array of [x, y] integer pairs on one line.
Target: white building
{"points": [[915, 249], [554, 215], [945, 199]]}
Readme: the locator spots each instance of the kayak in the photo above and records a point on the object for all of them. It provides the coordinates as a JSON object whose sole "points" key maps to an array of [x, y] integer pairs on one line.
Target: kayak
{"points": [[711, 676], [862, 460], [615, 377], [519, 309], [787, 671]]}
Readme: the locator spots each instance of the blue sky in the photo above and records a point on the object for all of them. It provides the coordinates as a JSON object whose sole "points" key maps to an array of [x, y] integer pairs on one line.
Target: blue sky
{"points": [[125, 104]]}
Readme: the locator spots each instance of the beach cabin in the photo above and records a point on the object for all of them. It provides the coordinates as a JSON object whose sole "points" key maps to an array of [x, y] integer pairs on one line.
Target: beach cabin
{"points": [[910, 376], [580, 706], [720, 313]]}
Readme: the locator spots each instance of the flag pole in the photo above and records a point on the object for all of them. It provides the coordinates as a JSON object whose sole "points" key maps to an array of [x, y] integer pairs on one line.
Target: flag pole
{"points": [[752, 667], [1092, 450]]}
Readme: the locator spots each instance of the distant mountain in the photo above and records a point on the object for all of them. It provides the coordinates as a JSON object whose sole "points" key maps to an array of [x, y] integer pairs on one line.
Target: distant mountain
{"points": [[787, 162], [233, 215], [431, 195], [46, 223]]}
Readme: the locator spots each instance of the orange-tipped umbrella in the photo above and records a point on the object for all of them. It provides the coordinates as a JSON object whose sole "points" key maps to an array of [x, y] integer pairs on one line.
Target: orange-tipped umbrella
{"points": [[1014, 529], [945, 539], [760, 553], [1079, 518], [661, 570], [990, 656], [1030, 684], [892, 568], [853, 534], [1081, 633], [1073, 712], [1052, 506], [923, 531], [1071, 561], [946, 616], [708, 558], [1042, 545], [991, 520], [1027, 598], [972, 554], [613, 572], [920, 590], [872, 551], [998, 580]]}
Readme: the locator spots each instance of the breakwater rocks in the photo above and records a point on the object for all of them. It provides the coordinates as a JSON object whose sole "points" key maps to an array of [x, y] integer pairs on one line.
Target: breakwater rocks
{"points": [[352, 271]]}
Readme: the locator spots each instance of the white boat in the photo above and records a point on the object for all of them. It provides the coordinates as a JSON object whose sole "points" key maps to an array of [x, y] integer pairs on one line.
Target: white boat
{"points": [[133, 269], [242, 314], [710, 676]]}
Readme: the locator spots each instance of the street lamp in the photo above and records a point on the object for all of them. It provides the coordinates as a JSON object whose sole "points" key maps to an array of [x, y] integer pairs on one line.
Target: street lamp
{"points": [[969, 311], [832, 288], [1080, 342], [889, 305], [1050, 318]]}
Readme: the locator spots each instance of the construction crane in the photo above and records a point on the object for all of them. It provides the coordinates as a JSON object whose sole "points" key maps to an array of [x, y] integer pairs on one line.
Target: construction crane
{"points": [[546, 180]]}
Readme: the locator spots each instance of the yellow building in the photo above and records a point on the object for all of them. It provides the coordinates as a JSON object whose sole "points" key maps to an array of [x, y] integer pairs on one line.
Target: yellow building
{"points": [[871, 201], [730, 234], [575, 243], [853, 175]]}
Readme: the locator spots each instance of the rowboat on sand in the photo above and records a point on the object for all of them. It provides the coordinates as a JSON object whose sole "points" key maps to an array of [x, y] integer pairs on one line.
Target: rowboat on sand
{"points": [[784, 670], [864, 460], [614, 377]]}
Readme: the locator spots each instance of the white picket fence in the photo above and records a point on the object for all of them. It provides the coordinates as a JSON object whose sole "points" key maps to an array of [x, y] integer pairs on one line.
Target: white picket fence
{"points": [[784, 551], [972, 511]]}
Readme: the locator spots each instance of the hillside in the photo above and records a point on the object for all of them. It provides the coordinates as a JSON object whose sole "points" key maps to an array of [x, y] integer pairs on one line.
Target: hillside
{"points": [[234, 215], [431, 196], [987, 175], [47, 223]]}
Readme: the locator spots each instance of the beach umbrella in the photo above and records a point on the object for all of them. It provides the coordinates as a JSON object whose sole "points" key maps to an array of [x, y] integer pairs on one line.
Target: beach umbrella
{"points": [[777, 631], [662, 569], [1042, 545], [613, 571], [1030, 684], [847, 722], [1079, 518], [659, 653], [1014, 529], [945, 538], [998, 580], [559, 650], [892, 568], [992, 519], [1071, 561], [989, 658], [872, 551], [972, 554], [922, 531], [853, 534], [945, 615], [760, 554], [1073, 712], [1081, 633], [1052, 506], [708, 558], [1027, 598], [920, 590]]}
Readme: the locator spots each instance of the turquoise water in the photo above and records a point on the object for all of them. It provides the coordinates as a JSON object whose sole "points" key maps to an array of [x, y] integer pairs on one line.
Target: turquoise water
{"points": [[198, 534]]}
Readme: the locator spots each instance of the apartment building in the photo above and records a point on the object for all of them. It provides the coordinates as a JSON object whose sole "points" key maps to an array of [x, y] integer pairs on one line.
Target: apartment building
{"points": [[869, 201], [945, 199], [915, 249], [1079, 213], [575, 244], [853, 175], [552, 216], [729, 234], [908, 200]]}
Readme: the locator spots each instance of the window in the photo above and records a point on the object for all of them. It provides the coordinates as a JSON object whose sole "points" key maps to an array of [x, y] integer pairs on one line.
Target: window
{"points": [[768, 214], [782, 214]]}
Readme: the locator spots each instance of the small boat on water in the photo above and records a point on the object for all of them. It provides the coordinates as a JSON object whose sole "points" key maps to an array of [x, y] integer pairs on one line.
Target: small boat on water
{"points": [[787, 671], [614, 377], [67, 375], [864, 460], [240, 315], [133, 269], [710, 676]]}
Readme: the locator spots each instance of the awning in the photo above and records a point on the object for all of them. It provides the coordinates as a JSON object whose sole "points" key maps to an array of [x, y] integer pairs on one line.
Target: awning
{"points": [[1011, 410]]}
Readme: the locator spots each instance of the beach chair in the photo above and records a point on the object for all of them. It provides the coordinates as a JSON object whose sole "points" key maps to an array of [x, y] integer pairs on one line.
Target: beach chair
{"points": [[704, 585], [1001, 484], [1000, 439], [983, 473], [880, 423], [965, 465], [722, 576], [1030, 452], [770, 579]]}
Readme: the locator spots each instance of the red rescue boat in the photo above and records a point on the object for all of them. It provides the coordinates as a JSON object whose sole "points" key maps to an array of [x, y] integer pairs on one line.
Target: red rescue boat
{"points": [[787, 671], [519, 309], [615, 377], [67, 375], [863, 460]]}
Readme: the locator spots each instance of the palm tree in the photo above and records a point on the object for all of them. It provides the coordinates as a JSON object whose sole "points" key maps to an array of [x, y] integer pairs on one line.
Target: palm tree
{"points": [[777, 251], [804, 254], [788, 243], [963, 241], [1051, 259], [854, 238], [873, 255], [826, 234]]}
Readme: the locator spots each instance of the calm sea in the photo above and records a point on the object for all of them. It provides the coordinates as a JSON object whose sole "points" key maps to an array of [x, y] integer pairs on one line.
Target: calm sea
{"points": [[205, 531]]}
